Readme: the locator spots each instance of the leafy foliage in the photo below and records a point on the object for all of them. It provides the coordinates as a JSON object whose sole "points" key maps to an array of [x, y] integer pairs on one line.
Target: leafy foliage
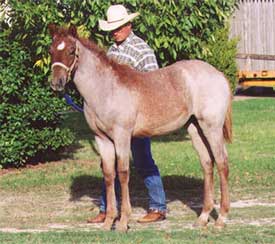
{"points": [[174, 30], [225, 62], [29, 123]]}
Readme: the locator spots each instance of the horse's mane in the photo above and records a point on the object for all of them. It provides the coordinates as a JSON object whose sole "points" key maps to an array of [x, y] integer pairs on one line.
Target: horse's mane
{"points": [[124, 71], [101, 54]]}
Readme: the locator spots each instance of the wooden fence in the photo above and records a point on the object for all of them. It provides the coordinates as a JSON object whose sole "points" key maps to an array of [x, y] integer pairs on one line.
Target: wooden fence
{"points": [[254, 23]]}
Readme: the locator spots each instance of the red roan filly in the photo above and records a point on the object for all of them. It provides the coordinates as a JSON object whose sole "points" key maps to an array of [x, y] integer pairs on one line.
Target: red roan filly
{"points": [[120, 103]]}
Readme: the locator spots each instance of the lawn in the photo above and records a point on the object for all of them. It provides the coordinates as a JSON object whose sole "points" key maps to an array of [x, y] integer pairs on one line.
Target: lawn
{"points": [[50, 202]]}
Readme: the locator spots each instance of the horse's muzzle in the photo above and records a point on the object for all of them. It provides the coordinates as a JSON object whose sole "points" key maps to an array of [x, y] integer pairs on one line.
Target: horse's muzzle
{"points": [[58, 84]]}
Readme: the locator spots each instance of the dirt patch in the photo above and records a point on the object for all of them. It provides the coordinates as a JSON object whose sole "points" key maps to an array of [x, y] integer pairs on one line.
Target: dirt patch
{"points": [[251, 203], [40, 214]]}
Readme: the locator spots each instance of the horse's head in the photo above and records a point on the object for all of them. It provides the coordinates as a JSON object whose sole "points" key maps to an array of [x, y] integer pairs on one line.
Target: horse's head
{"points": [[64, 55]]}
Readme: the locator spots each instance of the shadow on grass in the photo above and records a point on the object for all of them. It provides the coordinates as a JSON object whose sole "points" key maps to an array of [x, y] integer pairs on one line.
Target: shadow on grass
{"points": [[254, 91], [188, 190]]}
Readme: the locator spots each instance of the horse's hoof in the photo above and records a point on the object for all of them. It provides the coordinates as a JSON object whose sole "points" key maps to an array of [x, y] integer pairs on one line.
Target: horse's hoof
{"points": [[219, 224], [107, 225], [200, 223], [121, 227]]}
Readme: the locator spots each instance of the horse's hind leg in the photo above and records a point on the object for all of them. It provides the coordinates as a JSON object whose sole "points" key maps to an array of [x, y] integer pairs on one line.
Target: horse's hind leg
{"points": [[207, 165], [225, 199], [216, 140]]}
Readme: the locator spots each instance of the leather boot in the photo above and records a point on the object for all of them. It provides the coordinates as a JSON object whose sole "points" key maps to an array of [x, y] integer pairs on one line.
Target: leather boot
{"points": [[153, 216], [97, 219]]}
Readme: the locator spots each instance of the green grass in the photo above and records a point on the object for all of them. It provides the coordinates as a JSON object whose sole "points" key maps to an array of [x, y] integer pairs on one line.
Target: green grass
{"points": [[231, 236], [62, 191]]}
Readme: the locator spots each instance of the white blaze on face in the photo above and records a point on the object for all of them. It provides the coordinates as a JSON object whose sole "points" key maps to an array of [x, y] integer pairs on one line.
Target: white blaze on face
{"points": [[61, 46]]}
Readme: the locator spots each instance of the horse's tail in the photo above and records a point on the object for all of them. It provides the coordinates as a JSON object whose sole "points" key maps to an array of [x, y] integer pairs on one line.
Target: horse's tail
{"points": [[227, 126]]}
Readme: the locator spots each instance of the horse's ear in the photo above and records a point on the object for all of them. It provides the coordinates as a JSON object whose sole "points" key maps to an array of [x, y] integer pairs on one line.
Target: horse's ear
{"points": [[73, 31], [52, 29]]}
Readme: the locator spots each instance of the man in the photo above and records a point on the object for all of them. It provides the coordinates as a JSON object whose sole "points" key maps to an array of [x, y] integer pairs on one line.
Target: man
{"points": [[132, 50]]}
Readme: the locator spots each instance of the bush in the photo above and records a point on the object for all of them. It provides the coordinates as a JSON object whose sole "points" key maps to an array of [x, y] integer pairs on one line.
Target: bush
{"points": [[222, 53], [29, 123]]}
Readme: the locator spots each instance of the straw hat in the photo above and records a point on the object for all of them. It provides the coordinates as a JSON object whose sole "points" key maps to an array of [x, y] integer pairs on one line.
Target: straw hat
{"points": [[116, 16]]}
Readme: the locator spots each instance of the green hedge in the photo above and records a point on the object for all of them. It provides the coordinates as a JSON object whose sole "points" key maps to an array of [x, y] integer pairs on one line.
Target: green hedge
{"points": [[222, 54], [29, 122]]}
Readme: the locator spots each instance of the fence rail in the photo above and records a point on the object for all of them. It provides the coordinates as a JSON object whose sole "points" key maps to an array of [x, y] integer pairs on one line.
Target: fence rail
{"points": [[255, 56]]}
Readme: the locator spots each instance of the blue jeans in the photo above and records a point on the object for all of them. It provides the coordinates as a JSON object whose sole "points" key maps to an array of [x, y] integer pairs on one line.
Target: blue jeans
{"points": [[146, 167]]}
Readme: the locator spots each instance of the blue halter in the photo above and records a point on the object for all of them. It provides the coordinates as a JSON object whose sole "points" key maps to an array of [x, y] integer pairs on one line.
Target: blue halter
{"points": [[70, 102]]}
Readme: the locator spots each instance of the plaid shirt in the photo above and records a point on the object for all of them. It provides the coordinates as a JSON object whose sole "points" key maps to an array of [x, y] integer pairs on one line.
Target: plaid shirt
{"points": [[134, 52]]}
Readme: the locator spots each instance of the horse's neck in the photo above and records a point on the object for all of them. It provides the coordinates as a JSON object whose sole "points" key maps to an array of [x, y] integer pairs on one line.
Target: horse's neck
{"points": [[92, 78]]}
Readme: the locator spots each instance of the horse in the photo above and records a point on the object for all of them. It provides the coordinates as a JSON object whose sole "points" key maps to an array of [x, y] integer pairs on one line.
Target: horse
{"points": [[121, 103]]}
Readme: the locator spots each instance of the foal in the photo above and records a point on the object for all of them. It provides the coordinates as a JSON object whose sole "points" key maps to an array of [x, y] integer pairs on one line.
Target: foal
{"points": [[120, 103]]}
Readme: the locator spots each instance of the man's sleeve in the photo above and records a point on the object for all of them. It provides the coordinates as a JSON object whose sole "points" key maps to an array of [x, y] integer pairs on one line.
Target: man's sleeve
{"points": [[146, 61]]}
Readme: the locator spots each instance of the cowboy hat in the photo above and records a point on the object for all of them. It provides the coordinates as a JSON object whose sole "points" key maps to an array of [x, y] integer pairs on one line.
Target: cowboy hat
{"points": [[116, 16]]}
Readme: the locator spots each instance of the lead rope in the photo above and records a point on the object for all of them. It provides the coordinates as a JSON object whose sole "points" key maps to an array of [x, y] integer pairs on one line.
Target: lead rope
{"points": [[70, 102]]}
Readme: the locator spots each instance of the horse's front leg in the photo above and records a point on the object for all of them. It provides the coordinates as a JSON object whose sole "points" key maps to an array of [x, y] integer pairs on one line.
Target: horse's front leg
{"points": [[122, 147], [107, 153]]}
